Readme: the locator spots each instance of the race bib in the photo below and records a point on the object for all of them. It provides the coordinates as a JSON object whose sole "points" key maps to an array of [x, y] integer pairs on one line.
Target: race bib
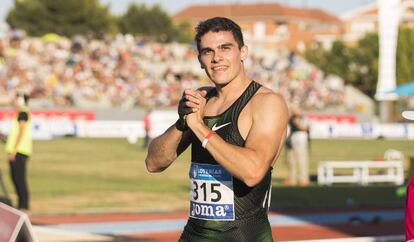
{"points": [[211, 193]]}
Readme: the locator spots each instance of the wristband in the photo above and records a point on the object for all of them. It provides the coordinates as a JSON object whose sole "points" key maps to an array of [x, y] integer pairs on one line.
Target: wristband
{"points": [[208, 136], [181, 123]]}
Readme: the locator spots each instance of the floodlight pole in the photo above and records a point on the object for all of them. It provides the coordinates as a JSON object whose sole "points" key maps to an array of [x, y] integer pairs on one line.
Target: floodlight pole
{"points": [[388, 18]]}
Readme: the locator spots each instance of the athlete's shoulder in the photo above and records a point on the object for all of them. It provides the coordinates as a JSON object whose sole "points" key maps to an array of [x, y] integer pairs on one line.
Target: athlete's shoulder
{"points": [[266, 96]]}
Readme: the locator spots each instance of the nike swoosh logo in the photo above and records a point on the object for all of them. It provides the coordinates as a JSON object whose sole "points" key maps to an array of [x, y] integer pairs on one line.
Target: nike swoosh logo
{"points": [[215, 128]]}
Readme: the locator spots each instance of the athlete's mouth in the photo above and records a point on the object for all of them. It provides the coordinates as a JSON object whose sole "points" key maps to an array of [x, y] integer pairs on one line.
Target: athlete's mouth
{"points": [[219, 68]]}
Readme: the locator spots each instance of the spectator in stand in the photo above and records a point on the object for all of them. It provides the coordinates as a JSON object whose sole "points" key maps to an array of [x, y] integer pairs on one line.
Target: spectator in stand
{"points": [[120, 71]]}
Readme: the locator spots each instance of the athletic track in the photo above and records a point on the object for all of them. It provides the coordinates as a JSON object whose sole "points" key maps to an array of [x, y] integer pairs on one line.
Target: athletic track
{"points": [[373, 225]]}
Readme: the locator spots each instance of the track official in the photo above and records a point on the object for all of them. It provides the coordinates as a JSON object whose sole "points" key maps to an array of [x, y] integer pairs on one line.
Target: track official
{"points": [[19, 149]]}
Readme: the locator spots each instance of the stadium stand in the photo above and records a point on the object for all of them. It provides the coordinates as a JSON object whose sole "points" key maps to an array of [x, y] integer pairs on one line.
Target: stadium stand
{"points": [[128, 72]]}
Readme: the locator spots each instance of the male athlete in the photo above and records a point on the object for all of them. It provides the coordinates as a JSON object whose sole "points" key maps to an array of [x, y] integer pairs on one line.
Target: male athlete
{"points": [[236, 130]]}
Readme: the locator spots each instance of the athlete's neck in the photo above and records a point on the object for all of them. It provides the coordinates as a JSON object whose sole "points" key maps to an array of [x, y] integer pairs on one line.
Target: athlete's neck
{"points": [[234, 88]]}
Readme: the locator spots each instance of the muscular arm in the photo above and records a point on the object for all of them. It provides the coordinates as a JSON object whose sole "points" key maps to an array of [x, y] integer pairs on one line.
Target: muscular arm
{"points": [[263, 143], [164, 149]]}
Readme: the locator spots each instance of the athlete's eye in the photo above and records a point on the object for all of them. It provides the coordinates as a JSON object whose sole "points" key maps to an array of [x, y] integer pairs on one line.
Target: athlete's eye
{"points": [[206, 52], [225, 47]]}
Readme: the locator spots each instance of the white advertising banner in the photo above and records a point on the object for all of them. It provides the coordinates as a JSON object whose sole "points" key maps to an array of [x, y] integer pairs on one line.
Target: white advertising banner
{"points": [[44, 130], [393, 131], [161, 120], [362, 131], [320, 130], [346, 131], [109, 129], [388, 18]]}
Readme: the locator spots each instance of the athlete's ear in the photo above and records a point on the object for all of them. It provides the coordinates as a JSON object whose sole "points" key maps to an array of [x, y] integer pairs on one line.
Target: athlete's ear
{"points": [[243, 52]]}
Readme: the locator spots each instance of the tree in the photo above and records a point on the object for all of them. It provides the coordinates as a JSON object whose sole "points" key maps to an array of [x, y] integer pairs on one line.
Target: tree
{"points": [[63, 17], [360, 65], [357, 66], [153, 22], [316, 56], [182, 32], [405, 55], [365, 64], [338, 60]]}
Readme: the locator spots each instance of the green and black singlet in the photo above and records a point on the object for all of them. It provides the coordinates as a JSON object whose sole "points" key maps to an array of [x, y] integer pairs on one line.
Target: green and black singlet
{"points": [[223, 208]]}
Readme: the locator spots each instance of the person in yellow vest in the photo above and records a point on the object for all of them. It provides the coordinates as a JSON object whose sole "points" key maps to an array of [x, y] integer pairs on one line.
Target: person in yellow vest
{"points": [[19, 149]]}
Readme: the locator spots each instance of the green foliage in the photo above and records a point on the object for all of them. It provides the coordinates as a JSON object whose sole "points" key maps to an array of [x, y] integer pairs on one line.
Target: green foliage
{"points": [[405, 55], [68, 18], [152, 22], [365, 64], [359, 65], [183, 32], [338, 59], [316, 56]]}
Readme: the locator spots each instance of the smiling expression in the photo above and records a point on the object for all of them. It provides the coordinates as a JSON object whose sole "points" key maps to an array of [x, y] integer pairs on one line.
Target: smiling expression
{"points": [[221, 57]]}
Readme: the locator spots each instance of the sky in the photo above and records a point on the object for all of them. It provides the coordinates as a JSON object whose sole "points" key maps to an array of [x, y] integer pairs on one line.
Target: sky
{"points": [[118, 7]]}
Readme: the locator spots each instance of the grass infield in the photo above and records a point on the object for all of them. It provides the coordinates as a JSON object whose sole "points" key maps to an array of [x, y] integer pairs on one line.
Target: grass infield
{"points": [[74, 175]]}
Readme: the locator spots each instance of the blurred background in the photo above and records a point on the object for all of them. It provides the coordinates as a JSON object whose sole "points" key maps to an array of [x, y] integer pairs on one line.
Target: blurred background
{"points": [[98, 72]]}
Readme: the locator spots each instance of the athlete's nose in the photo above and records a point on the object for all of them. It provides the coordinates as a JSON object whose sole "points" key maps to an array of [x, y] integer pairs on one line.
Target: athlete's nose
{"points": [[216, 57]]}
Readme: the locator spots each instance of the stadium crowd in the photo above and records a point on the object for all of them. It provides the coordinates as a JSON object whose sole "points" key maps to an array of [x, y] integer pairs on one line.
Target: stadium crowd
{"points": [[126, 71]]}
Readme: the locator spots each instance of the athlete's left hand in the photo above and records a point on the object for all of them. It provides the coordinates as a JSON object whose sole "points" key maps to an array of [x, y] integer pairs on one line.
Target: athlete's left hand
{"points": [[197, 116]]}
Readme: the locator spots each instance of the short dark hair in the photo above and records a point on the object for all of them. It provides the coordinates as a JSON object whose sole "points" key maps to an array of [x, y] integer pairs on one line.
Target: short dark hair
{"points": [[217, 24]]}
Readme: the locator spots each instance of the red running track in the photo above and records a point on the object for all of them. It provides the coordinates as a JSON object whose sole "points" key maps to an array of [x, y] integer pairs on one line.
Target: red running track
{"points": [[280, 232]]}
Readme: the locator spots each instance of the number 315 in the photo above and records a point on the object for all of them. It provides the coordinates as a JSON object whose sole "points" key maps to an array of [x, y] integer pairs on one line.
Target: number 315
{"points": [[213, 190]]}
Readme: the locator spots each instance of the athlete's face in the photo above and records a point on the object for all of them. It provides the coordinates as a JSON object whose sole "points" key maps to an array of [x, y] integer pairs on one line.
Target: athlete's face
{"points": [[221, 57]]}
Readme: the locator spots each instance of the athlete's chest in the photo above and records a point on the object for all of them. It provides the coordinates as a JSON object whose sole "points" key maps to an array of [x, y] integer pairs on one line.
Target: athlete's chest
{"points": [[216, 106], [227, 118]]}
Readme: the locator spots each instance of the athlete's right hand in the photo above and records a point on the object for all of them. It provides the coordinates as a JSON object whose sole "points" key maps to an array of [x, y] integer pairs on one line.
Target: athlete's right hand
{"points": [[186, 105], [189, 103], [199, 101]]}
